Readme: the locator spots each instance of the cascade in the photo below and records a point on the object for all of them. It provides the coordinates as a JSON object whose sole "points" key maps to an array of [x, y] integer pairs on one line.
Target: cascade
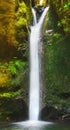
{"points": [[34, 17], [41, 1], [34, 99]]}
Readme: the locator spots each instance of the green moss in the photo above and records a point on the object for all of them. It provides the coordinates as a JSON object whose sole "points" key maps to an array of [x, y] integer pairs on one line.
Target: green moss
{"points": [[63, 12], [22, 8], [13, 58], [56, 64], [12, 85], [10, 94], [21, 22], [11, 72]]}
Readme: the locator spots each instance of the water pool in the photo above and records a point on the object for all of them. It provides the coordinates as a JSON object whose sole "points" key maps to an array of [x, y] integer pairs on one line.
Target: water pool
{"points": [[35, 126]]}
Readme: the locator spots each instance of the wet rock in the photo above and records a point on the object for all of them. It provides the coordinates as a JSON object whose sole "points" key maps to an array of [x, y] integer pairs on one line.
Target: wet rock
{"points": [[39, 9], [18, 109], [49, 113]]}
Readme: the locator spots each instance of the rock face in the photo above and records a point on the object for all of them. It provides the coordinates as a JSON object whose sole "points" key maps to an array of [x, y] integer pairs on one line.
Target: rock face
{"points": [[39, 9], [56, 67], [13, 109], [49, 113]]}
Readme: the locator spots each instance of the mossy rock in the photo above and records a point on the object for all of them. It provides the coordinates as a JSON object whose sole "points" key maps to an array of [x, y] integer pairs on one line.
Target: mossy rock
{"points": [[21, 23], [13, 109]]}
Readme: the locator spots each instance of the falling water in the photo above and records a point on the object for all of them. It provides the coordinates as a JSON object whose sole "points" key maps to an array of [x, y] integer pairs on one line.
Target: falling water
{"points": [[41, 1], [34, 66], [34, 16]]}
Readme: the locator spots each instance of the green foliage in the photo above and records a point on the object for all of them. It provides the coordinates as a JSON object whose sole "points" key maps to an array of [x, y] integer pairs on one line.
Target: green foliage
{"points": [[10, 94], [15, 19], [12, 82], [12, 72], [56, 64], [63, 11], [16, 66], [13, 66], [66, 6], [21, 23]]}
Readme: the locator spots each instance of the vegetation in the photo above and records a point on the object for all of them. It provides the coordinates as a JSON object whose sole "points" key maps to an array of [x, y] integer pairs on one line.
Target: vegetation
{"points": [[56, 64], [12, 77], [15, 19], [7, 16], [62, 8]]}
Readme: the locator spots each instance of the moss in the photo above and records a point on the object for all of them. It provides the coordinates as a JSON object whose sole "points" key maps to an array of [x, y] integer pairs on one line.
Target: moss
{"points": [[15, 19], [10, 72], [10, 94], [56, 64], [21, 23], [12, 85], [63, 12], [4, 79], [10, 109]]}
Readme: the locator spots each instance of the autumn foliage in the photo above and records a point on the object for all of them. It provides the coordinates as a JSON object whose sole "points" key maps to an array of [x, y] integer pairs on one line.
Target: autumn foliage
{"points": [[7, 20]]}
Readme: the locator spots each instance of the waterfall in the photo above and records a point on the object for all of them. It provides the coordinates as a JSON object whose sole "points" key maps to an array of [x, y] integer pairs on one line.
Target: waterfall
{"points": [[34, 101], [34, 16], [41, 1]]}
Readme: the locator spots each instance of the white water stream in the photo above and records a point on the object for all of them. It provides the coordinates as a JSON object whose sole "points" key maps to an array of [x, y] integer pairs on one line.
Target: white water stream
{"points": [[34, 101], [41, 1]]}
